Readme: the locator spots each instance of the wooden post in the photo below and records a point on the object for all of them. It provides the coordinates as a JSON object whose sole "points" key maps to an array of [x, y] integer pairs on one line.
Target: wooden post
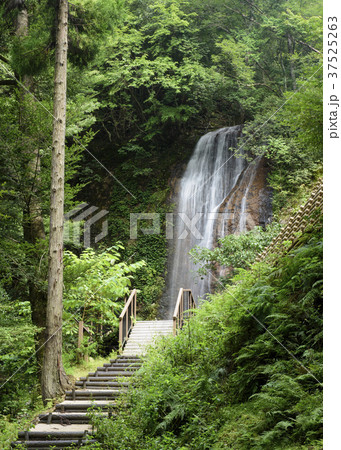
{"points": [[101, 326], [120, 336], [135, 305], [80, 337]]}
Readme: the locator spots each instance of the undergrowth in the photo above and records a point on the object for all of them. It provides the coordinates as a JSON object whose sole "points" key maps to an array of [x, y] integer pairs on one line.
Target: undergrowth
{"points": [[244, 373]]}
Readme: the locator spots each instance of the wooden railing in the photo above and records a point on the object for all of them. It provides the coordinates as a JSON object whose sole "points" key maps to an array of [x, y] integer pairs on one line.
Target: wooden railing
{"points": [[183, 308], [127, 319]]}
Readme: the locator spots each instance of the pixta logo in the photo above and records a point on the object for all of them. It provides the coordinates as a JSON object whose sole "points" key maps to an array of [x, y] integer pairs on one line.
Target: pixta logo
{"points": [[80, 217], [181, 226]]}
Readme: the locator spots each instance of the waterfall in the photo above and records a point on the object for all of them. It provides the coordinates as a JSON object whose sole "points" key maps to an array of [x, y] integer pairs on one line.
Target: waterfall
{"points": [[213, 182]]}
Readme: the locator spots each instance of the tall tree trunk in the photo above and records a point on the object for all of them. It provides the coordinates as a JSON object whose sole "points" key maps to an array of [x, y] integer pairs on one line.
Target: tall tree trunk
{"points": [[33, 220], [54, 380], [283, 70], [291, 48]]}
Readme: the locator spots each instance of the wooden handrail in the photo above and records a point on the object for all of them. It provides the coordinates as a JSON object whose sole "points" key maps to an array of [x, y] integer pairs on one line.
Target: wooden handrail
{"points": [[176, 310], [181, 310], [127, 319]]}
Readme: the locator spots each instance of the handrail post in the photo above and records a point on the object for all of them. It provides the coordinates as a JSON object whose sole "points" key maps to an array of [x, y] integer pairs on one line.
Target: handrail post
{"points": [[80, 337], [181, 308], [135, 305], [128, 312], [120, 335]]}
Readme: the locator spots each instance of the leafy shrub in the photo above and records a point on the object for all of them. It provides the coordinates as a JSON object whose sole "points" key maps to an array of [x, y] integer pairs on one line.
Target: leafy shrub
{"points": [[245, 372], [235, 251], [95, 286], [17, 349]]}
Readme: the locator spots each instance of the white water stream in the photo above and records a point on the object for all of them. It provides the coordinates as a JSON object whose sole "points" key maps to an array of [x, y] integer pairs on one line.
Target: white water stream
{"points": [[210, 177]]}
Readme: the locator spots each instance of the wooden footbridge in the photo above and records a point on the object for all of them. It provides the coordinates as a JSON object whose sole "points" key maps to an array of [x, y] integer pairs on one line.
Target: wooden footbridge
{"points": [[68, 424]]}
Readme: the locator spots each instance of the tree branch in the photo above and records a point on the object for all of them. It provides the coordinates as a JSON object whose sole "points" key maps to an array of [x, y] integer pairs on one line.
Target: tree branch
{"points": [[309, 46], [261, 84], [243, 15], [253, 20], [254, 6], [221, 27]]}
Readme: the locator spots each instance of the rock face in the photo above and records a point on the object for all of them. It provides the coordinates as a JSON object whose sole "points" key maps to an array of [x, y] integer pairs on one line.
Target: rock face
{"points": [[249, 202], [220, 193]]}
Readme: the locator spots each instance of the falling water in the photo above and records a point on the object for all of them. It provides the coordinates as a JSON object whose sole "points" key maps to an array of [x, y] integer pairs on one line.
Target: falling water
{"points": [[208, 187]]}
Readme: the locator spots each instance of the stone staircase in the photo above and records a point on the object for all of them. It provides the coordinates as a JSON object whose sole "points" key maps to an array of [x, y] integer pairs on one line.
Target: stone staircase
{"points": [[68, 425], [144, 333]]}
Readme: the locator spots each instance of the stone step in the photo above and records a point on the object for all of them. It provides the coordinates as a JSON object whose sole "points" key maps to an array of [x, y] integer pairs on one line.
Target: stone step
{"points": [[123, 365], [148, 329], [151, 334], [111, 373], [50, 444], [97, 394], [146, 340], [117, 369], [68, 425], [157, 324], [128, 353], [84, 405], [105, 376], [137, 346], [67, 418], [110, 384], [61, 428], [115, 376], [142, 351], [152, 322], [142, 332], [126, 360], [123, 358], [151, 327], [49, 432]]}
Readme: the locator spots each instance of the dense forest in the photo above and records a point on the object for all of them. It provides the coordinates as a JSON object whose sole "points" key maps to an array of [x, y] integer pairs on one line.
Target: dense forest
{"points": [[145, 80]]}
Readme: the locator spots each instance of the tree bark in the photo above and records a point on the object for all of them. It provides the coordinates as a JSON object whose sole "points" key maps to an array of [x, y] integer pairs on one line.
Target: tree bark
{"points": [[54, 380], [291, 48]]}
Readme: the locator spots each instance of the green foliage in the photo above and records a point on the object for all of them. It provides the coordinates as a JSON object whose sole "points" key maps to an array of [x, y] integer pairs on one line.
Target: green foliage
{"points": [[152, 248], [135, 164], [154, 77], [96, 284], [234, 251], [29, 53], [18, 388], [291, 143], [230, 381], [147, 76], [150, 280], [304, 114]]}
